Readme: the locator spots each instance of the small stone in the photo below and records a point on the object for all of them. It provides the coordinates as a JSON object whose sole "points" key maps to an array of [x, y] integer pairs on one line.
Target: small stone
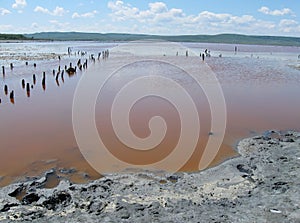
{"points": [[280, 187], [96, 207], [49, 172], [162, 181], [30, 198], [86, 175], [6, 207], [241, 168], [61, 198], [289, 140], [172, 178], [275, 211], [67, 171], [17, 191]]}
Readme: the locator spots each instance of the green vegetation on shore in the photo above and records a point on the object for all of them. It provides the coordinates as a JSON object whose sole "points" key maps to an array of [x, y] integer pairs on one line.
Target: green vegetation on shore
{"points": [[120, 37], [221, 38], [12, 37]]}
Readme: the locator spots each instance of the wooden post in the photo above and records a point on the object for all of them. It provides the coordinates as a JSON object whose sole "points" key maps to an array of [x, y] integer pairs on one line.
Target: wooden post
{"points": [[28, 89], [62, 76], [57, 82], [23, 83], [34, 79], [44, 81], [12, 97], [5, 89]]}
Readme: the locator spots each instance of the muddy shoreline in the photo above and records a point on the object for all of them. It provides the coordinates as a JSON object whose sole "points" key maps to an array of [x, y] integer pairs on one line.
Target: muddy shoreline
{"points": [[260, 185]]}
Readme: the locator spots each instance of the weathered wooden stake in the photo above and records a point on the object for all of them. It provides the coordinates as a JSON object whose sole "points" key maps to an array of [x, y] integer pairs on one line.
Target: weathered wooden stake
{"points": [[23, 83], [5, 89], [34, 79]]}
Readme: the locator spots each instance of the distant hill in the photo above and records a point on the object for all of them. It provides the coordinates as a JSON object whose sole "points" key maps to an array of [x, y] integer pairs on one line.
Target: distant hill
{"points": [[12, 37], [221, 38]]}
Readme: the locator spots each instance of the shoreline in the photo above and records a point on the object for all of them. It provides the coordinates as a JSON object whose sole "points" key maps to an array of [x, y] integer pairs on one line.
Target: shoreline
{"points": [[259, 185], [129, 41]]}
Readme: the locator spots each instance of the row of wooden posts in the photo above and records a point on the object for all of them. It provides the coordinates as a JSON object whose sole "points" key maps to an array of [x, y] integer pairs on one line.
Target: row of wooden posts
{"points": [[60, 73]]}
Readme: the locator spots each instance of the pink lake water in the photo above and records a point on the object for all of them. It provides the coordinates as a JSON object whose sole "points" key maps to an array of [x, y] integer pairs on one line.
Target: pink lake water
{"points": [[261, 86]]}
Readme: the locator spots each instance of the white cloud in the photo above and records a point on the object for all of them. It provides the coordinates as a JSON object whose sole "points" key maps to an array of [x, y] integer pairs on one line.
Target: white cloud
{"points": [[210, 16], [58, 11], [122, 11], [288, 22], [157, 11], [289, 25], [84, 15], [4, 11], [34, 25], [42, 10], [158, 7], [276, 12], [206, 17], [159, 19], [75, 15], [19, 4]]}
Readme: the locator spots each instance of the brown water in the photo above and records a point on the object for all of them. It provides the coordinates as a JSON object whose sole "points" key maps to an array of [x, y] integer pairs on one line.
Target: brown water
{"points": [[36, 132]]}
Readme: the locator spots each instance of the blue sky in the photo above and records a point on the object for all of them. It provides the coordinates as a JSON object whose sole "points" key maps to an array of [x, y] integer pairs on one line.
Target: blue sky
{"points": [[256, 17]]}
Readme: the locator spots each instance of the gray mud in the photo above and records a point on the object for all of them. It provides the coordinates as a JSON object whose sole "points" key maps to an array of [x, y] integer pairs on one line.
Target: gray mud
{"points": [[261, 185]]}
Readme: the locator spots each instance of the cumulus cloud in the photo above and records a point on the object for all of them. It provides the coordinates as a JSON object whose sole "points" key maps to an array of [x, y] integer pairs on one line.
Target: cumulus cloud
{"points": [[84, 15], [58, 11], [158, 7], [159, 19], [289, 25], [157, 11], [4, 11], [19, 4], [122, 11], [41, 9], [276, 12]]}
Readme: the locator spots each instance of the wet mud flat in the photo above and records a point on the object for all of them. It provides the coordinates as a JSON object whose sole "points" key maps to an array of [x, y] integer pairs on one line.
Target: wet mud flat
{"points": [[260, 185], [248, 83]]}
